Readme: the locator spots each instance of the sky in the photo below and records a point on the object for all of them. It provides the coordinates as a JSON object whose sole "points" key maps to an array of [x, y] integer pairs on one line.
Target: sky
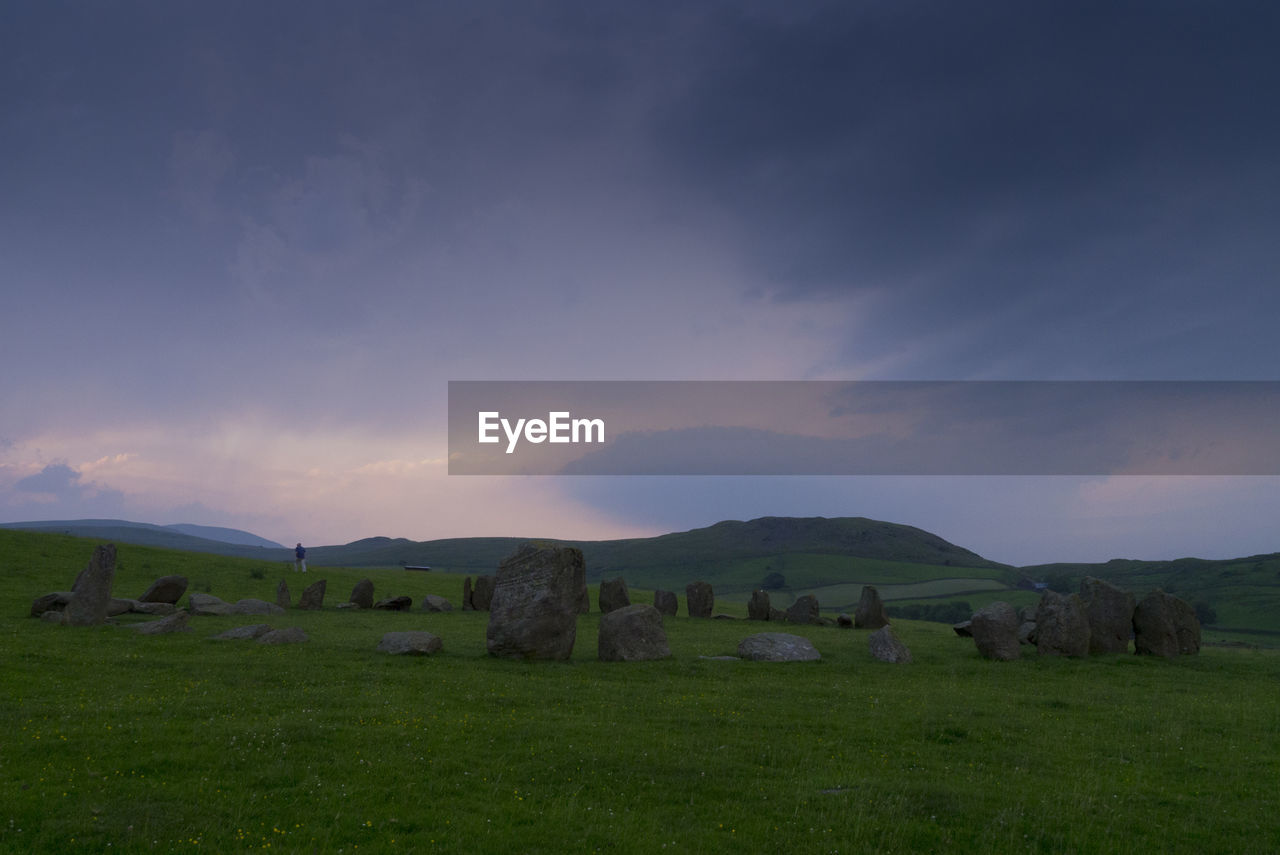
{"points": [[244, 247]]}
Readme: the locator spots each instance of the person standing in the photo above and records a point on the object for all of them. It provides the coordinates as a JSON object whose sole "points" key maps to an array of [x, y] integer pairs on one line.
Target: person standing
{"points": [[300, 559]]}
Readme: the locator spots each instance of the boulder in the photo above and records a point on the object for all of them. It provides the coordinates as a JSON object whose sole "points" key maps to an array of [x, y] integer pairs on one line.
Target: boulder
{"points": [[54, 602], [777, 647], [312, 598], [207, 605], [1062, 629], [1164, 625], [964, 628], [411, 643], [870, 612], [283, 599], [666, 603], [886, 647], [394, 604], [758, 607], [632, 633], [362, 594], [161, 609], [176, 622], [166, 589], [290, 635], [614, 595], [804, 610], [251, 606], [248, 631], [482, 595], [467, 594], [994, 629], [434, 603], [844, 621], [92, 589], [533, 613], [1109, 611], [699, 599]]}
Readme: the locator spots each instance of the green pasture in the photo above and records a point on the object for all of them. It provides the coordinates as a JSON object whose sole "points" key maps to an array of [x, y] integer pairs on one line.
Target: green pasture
{"points": [[115, 742]]}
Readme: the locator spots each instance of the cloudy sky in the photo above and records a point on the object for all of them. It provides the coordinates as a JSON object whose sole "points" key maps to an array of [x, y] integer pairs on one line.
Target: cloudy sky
{"points": [[245, 246]]}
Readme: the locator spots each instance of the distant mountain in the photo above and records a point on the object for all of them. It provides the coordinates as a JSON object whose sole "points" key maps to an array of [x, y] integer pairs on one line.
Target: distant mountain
{"points": [[189, 538], [224, 535]]}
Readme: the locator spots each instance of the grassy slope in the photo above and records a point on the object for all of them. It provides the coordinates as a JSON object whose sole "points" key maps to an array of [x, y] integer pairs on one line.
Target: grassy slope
{"points": [[177, 743]]}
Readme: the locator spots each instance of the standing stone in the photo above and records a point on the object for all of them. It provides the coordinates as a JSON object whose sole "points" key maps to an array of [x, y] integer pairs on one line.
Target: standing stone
{"points": [[166, 589], [758, 606], [995, 631], [533, 612], [666, 603], [467, 594], [312, 598], [412, 643], [482, 594], [614, 595], [1109, 611], [870, 612], [394, 604], [778, 647], [580, 585], [1164, 625], [433, 603], [92, 590], [283, 600], [1062, 629], [362, 594], [886, 647], [804, 610], [699, 598], [632, 633]]}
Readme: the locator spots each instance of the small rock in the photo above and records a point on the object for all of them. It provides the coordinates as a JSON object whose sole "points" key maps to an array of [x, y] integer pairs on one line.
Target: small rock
{"points": [[411, 643], [290, 635], [886, 647], [176, 622], [632, 634], [777, 647], [434, 603], [246, 632], [394, 604]]}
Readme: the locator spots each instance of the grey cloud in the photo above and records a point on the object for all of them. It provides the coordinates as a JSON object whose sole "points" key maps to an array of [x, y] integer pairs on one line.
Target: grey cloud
{"points": [[56, 479]]}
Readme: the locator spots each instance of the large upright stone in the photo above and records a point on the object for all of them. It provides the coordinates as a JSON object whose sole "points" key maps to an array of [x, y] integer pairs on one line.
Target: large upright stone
{"points": [[467, 596], [362, 594], [482, 594], [614, 595], [283, 600], [666, 603], [994, 629], [92, 590], [166, 589], [870, 612], [533, 613], [778, 647], [1062, 629], [312, 598], [758, 607], [699, 598], [804, 610], [886, 647], [1164, 625], [632, 633], [580, 584], [1109, 611]]}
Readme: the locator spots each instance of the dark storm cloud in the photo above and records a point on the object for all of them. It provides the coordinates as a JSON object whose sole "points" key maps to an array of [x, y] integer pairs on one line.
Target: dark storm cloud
{"points": [[1085, 166]]}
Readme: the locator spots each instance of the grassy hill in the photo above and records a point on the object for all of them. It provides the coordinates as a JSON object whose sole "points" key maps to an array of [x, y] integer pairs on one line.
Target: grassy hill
{"points": [[113, 741]]}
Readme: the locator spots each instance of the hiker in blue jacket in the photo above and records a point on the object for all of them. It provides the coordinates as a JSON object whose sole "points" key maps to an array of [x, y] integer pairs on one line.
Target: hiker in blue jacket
{"points": [[300, 559]]}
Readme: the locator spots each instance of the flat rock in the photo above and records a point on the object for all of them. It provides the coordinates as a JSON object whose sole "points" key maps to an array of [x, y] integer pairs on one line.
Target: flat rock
{"points": [[289, 635], [53, 602], [176, 622], [434, 603], [777, 647], [394, 604], [251, 606], [207, 605], [246, 632], [410, 643]]}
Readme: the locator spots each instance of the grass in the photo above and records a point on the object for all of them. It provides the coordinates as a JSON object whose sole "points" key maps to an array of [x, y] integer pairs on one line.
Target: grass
{"points": [[111, 741]]}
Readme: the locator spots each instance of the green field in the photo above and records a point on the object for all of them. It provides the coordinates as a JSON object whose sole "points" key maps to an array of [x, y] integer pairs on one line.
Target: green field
{"points": [[112, 741]]}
